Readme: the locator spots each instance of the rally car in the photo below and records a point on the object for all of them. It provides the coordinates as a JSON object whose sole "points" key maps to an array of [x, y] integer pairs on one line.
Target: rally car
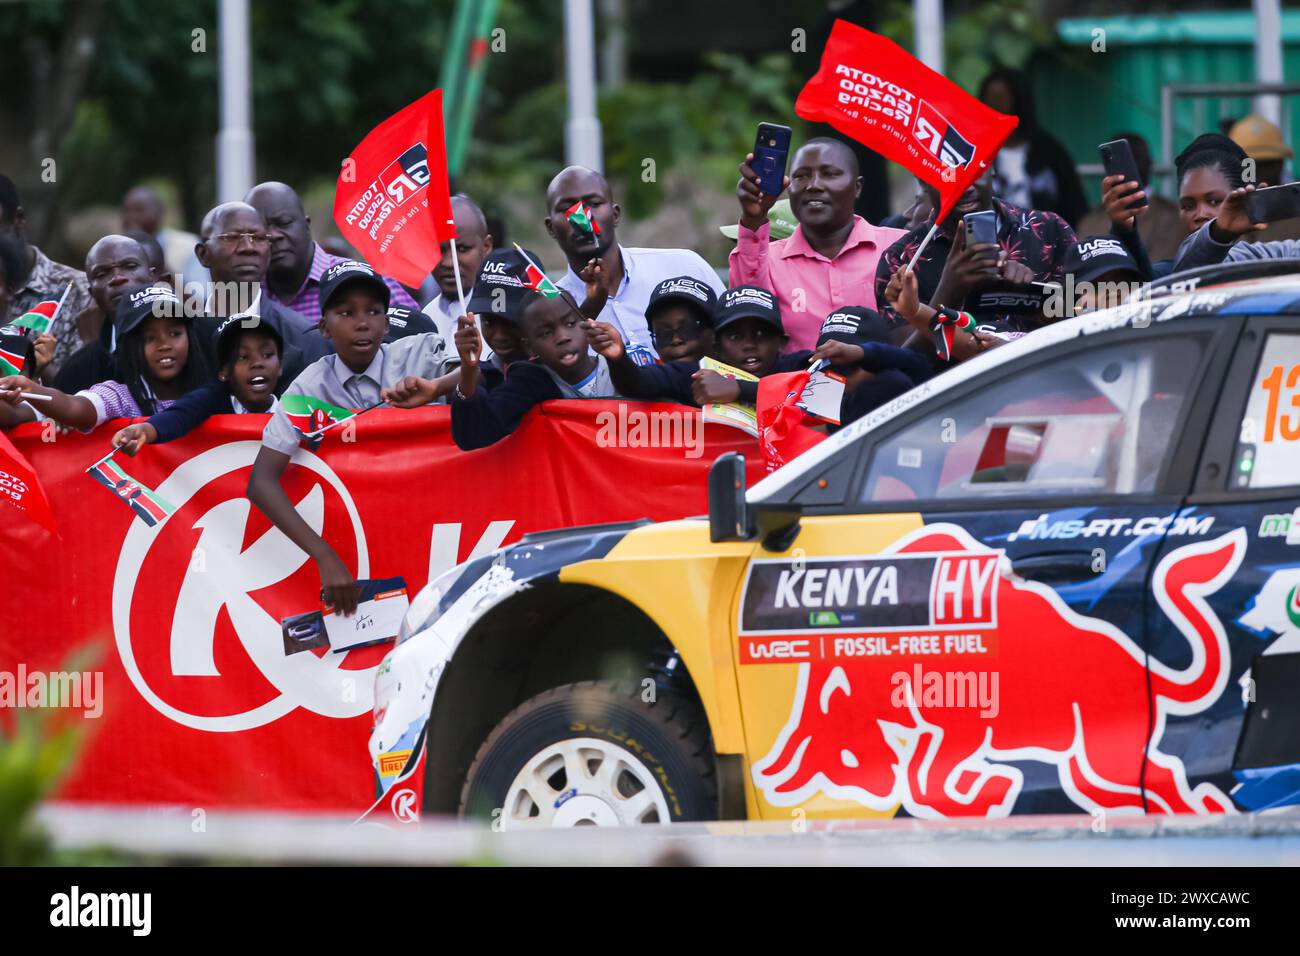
{"points": [[1061, 577]]}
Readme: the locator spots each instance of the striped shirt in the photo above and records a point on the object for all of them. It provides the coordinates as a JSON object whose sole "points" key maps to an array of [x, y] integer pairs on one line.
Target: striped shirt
{"points": [[306, 301], [113, 400]]}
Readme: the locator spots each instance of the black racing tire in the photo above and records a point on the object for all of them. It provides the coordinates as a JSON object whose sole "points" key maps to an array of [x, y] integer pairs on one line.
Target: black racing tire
{"points": [[669, 737]]}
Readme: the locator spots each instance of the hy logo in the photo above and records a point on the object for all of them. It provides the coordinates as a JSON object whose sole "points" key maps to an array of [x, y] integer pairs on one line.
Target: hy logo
{"points": [[227, 577]]}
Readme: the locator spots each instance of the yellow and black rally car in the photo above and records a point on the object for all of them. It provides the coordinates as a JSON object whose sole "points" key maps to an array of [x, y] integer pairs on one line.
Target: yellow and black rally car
{"points": [[1062, 577]]}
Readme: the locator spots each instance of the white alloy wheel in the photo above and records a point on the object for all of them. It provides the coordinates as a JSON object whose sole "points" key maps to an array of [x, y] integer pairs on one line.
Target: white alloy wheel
{"points": [[583, 781]]}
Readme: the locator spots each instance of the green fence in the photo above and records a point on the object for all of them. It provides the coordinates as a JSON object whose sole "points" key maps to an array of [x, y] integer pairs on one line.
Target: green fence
{"points": [[1084, 96]]}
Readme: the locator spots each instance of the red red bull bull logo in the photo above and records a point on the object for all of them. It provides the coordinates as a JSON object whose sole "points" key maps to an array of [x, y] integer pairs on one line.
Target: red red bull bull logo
{"points": [[867, 726]]}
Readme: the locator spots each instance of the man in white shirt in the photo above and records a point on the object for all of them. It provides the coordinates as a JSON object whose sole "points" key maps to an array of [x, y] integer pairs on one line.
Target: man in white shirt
{"points": [[473, 243], [578, 196]]}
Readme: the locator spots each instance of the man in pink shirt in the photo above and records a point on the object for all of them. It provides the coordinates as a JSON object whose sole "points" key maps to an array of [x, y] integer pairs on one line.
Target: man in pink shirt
{"points": [[830, 261]]}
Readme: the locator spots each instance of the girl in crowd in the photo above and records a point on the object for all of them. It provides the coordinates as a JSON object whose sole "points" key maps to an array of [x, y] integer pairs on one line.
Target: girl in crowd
{"points": [[157, 361]]}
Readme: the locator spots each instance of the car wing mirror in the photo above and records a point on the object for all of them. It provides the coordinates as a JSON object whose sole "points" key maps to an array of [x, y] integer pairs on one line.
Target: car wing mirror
{"points": [[729, 517]]}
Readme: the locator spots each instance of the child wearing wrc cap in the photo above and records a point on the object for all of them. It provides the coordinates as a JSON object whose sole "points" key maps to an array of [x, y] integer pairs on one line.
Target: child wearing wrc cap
{"points": [[680, 316], [248, 353], [157, 362], [359, 374], [552, 331], [749, 336]]}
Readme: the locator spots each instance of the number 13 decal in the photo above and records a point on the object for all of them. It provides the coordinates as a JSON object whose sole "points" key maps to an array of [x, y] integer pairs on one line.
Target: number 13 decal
{"points": [[1276, 421]]}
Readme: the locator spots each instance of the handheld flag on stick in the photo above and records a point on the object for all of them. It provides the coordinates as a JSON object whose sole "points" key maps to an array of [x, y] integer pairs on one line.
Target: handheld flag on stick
{"points": [[148, 506], [944, 329], [357, 414], [311, 415], [391, 201], [20, 487], [579, 214], [872, 90], [41, 316], [534, 278]]}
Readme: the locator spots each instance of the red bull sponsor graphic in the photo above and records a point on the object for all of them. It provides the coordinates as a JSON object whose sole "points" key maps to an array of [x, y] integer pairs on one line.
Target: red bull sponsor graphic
{"points": [[1063, 689]]}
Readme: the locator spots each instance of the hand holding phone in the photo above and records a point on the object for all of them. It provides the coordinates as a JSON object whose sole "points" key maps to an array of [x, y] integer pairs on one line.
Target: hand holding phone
{"points": [[1274, 203], [982, 229], [762, 174], [1117, 158], [771, 153]]}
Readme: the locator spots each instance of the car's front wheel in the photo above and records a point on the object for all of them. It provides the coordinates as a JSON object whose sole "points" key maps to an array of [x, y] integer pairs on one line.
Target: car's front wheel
{"points": [[594, 754]]}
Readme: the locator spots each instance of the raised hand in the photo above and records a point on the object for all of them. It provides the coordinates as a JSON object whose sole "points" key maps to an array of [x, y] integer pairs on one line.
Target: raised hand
{"points": [[469, 345], [754, 203], [606, 340], [1233, 220], [1117, 195], [596, 279]]}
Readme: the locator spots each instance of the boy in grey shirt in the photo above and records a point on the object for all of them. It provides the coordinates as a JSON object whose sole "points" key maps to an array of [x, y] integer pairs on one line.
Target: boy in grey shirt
{"points": [[354, 317]]}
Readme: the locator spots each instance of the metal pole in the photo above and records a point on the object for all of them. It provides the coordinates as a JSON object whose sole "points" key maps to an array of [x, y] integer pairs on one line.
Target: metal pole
{"points": [[235, 138], [613, 53], [1268, 56], [927, 31], [582, 144]]}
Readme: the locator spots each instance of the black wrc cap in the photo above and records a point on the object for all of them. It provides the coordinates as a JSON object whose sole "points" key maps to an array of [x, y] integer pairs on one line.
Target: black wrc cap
{"points": [[744, 302], [347, 272]]}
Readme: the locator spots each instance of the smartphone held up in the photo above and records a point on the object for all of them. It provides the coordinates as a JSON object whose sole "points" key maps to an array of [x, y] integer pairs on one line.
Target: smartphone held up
{"points": [[771, 153]]}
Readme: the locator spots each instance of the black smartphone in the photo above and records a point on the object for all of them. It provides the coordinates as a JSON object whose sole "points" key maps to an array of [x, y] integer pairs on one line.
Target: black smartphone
{"points": [[981, 227], [1274, 203], [771, 152], [1117, 158]]}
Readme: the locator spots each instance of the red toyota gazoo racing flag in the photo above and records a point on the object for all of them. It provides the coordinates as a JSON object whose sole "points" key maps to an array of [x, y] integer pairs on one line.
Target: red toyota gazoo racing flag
{"points": [[147, 505], [392, 201], [20, 487], [872, 90], [782, 434]]}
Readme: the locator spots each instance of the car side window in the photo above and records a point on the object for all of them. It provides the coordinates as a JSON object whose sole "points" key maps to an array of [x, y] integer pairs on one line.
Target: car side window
{"points": [[1268, 443], [1094, 422]]}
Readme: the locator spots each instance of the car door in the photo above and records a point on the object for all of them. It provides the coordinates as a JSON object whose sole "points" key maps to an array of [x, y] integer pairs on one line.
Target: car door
{"points": [[1226, 666], [961, 634]]}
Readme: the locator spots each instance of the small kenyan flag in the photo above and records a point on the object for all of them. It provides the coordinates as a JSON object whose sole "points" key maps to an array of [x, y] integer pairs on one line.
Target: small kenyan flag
{"points": [[534, 278], [11, 363], [310, 415], [579, 214], [39, 317], [147, 505]]}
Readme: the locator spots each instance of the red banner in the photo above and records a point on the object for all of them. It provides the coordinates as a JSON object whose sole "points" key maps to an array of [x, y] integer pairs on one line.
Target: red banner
{"points": [[200, 706], [871, 89], [392, 201]]}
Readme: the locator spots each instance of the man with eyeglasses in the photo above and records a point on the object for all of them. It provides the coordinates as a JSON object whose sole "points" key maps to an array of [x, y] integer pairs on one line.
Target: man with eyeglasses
{"points": [[235, 247], [297, 261]]}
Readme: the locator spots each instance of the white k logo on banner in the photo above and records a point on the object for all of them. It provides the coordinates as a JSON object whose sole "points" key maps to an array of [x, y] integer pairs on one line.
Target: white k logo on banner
{"points": [[227, 577]]}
